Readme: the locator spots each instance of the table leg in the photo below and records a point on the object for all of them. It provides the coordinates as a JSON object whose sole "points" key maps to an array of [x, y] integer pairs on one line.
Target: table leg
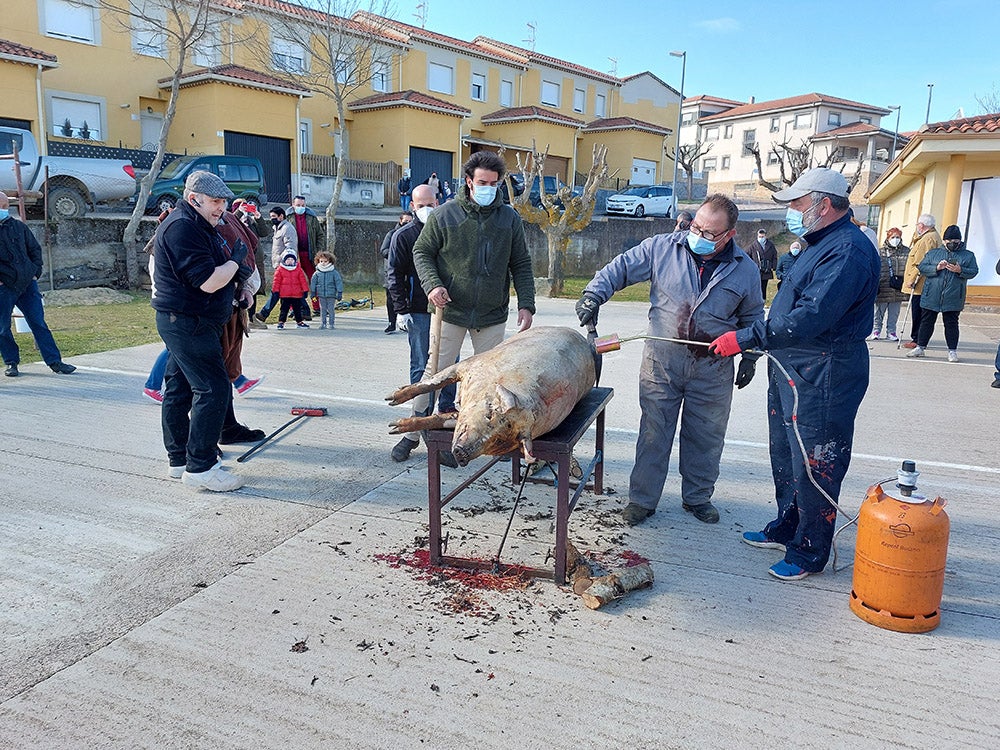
{"points": [[562, 516], [434, 503]]}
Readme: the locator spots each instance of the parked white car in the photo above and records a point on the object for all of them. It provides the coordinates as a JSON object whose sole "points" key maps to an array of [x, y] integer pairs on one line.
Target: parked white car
{"points": [[75, 183], [652, 200]]}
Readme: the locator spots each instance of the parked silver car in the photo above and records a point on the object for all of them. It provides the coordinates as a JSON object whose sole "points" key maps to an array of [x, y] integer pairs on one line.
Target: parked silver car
{"points": [[642, 201]]}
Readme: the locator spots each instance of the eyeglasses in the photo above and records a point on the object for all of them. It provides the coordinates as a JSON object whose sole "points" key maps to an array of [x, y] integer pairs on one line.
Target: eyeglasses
{"points": [[710, 236]]}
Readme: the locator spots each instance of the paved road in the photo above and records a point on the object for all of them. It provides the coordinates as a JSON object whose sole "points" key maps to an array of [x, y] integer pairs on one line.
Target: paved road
{"points": [[141, 615]]}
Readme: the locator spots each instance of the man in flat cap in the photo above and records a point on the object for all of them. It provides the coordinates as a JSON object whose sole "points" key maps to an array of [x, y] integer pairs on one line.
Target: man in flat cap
{"points": [[816, 329], [195, 280]]}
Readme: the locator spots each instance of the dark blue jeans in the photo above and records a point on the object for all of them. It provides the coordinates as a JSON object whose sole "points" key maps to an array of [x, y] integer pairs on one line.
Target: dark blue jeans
{"points": [[419, 335], [196, 390], [830, 387], [30, 303]]}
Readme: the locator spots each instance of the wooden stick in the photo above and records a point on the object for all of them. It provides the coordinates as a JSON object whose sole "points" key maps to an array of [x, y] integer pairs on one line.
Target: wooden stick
{"points": [[435, 343], [616, 584]]}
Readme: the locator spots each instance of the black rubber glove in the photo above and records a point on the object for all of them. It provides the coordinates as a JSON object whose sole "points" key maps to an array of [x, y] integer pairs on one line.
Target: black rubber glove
{"points": [[586, 309], [239, 253], [744, 373]]}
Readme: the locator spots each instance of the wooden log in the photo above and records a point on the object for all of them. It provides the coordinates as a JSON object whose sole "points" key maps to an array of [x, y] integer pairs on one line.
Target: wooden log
{"points": [[616, 584], [581, 575]]}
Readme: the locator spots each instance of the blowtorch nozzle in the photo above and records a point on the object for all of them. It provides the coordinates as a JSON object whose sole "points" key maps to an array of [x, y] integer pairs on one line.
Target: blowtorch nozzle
{"points": [[607, 344]]}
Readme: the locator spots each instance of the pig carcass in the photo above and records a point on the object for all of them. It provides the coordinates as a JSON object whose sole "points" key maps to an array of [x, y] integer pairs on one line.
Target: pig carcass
{"points": [[519, 390]]}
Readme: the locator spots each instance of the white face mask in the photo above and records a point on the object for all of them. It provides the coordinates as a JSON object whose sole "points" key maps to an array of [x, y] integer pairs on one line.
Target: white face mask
{"points": [[423, 212], [484, 194], [894, 241]]}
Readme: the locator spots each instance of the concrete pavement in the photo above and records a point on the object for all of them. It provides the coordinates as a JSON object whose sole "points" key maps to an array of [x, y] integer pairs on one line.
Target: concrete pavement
{"points": [[141, 614]]}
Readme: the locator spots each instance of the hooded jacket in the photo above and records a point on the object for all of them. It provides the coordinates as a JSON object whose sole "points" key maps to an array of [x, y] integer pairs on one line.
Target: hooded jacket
{"points": [[475, 252], [290, 281], [944, 291]]}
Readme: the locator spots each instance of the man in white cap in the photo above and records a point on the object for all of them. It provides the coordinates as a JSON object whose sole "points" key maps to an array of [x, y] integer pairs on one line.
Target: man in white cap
{"points": [[816, 329], [196, 278]]}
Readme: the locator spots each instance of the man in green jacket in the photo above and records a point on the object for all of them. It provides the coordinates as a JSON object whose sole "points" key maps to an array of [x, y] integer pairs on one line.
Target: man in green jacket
{"points": [[468, 252]]}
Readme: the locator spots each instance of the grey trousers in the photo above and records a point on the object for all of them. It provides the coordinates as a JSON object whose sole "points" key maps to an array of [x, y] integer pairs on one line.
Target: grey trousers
{"points": [[675, 383]]}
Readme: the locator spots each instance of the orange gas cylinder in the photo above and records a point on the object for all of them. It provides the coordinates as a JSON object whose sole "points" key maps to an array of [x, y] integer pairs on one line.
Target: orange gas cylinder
{"points": [[899, 562]]}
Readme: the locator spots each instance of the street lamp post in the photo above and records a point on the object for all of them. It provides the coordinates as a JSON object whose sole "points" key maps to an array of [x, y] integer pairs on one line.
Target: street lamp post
{"points": [[895, 135], [682, 54], [930, 90]]}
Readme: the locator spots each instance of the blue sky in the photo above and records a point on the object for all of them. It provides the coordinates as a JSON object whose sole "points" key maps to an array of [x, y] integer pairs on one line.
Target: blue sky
{"points": [[880, 53]]}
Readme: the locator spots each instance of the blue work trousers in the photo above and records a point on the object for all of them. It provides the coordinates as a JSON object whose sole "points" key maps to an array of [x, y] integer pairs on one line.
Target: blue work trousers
{"points": [[672, 376], [196, 390], [831, 387], [30, 304]]}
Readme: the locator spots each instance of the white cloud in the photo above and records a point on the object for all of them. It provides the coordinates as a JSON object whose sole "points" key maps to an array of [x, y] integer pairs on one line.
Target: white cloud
{"points": [[719, 25]]}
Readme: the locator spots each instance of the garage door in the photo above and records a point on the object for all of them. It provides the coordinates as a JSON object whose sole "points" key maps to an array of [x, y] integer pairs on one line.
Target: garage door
{"points": [[275, 155], [424, 161], [643, 172]]}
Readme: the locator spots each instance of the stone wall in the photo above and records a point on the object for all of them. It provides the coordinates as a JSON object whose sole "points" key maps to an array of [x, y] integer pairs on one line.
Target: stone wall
{"points": [[88, 252]]}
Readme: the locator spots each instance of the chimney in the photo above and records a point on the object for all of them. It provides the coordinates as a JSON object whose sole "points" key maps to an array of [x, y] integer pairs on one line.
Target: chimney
{"points": [[753, 100]]}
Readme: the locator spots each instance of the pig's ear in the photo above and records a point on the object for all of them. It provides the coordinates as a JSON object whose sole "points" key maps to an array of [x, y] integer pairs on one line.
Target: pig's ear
{"points": [[507, 400]]}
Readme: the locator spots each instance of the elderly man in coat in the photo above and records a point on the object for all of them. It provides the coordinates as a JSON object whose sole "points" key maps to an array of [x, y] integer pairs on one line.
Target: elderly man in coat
{"points": [[702, 285]]}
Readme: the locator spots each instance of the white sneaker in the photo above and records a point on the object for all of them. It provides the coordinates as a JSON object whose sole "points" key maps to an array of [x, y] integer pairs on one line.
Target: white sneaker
{"points": [[176, 472], [952, 356], [874, 336], [216, 479], [917, 351], [893, 337]]}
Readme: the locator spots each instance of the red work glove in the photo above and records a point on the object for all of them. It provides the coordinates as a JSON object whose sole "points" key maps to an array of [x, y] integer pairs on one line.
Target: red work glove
{"points": [[726, 345]]}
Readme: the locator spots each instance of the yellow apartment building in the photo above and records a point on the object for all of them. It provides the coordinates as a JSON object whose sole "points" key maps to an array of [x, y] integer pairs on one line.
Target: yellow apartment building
{"points": [[416, 98]]}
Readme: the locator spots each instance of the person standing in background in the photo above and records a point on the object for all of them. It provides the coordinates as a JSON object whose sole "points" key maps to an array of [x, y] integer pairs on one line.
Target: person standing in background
{"points": [[890, 297], [765, 255], [925, 239], [383, 250], [20, 267], [311, 239], [786, 261], [946, 271]]}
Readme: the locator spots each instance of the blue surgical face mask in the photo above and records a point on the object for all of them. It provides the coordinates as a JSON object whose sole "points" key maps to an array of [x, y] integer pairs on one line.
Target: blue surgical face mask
{"points": [[795, 250], [484, 194], [700, 245], [795, 220], [4, 213], [299, 209]]}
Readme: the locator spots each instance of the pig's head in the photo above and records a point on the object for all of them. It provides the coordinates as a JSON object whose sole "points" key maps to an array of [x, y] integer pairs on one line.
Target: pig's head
{"points": [[492, 424]]}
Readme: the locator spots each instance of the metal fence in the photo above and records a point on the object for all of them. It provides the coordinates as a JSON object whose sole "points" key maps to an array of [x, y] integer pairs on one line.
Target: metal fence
{"points": [[388, 173]]}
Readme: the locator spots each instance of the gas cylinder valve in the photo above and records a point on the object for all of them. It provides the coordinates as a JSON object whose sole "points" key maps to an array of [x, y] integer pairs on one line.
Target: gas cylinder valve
{"points": [[906, 478]]}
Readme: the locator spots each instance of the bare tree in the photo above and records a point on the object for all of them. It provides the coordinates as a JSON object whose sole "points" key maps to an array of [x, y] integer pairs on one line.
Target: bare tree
{"points": [[989, 103], [560, 215], [793, 161], [687, 159], [172, 29], [345, 48]]}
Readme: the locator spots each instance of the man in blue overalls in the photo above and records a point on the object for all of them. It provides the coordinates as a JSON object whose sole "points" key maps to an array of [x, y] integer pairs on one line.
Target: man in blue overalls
{"points": [[816, 329]]}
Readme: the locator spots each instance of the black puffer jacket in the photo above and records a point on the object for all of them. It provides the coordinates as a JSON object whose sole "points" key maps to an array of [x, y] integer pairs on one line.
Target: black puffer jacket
{"points": [[20, 255]]}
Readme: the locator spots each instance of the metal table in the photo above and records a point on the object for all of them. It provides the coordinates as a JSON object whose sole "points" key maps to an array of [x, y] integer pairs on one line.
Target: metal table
{"points": [[555, 446]]}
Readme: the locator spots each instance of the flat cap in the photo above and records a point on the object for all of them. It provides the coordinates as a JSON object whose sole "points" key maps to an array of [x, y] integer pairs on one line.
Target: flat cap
{"points": [[208, 184], [818, 180]]}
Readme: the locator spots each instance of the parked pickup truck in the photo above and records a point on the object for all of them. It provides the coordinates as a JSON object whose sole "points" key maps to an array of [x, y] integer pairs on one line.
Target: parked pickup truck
{"points": [[75, 184]]}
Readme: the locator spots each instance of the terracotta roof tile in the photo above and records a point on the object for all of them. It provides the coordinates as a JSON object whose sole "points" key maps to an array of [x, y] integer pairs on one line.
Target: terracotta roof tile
{"points": [[238, 75], [625, 123], [408, 98], [792, 102], [989, 123], [711, 100], [513, 114], [10, 49], [537, 57], [409, 33]]}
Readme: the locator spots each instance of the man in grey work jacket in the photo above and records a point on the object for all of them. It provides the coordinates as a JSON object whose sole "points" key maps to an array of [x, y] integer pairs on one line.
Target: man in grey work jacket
{"points": [[702, 285]]}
